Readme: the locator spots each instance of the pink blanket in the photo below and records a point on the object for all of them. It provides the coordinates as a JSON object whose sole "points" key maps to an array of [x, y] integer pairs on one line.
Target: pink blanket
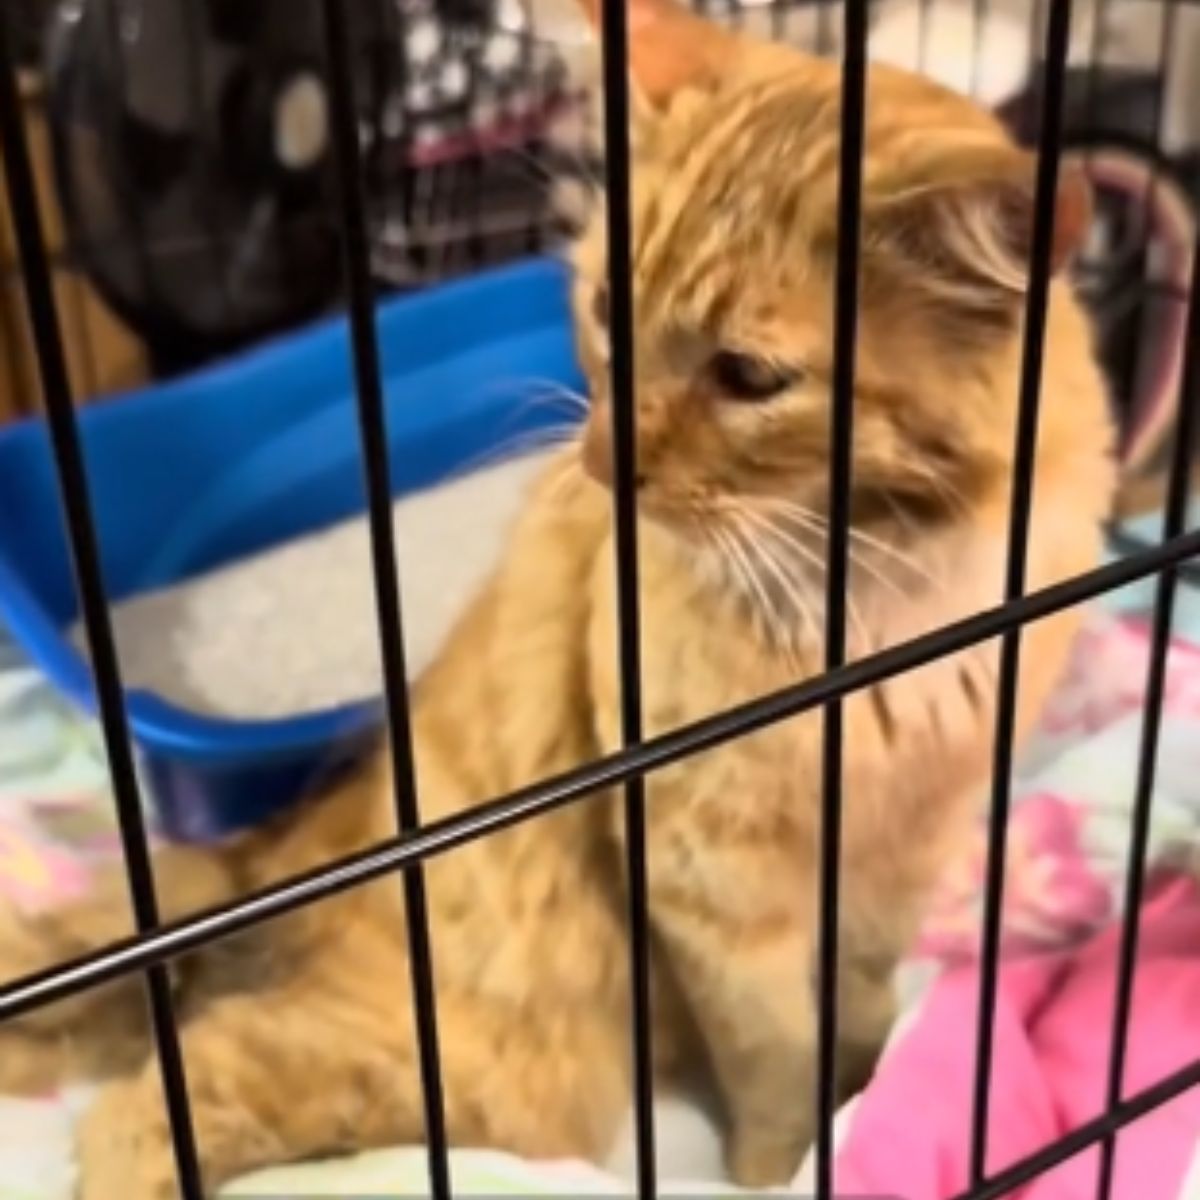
{"points": [[1052, 1037], [1067, 848]]}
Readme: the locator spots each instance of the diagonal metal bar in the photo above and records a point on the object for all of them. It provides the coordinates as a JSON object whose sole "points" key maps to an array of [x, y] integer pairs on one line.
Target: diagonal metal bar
{"points": [[71, 470]]}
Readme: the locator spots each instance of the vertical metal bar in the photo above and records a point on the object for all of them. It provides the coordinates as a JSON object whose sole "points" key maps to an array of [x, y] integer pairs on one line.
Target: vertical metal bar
{"points": [[89, 583], [615, 51], [373, 434], [841, 438], [1174, 523], [1025, 447]]}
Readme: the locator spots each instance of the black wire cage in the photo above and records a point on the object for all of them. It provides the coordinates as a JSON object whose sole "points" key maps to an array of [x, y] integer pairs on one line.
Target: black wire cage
{"points": [[1043, 113]]}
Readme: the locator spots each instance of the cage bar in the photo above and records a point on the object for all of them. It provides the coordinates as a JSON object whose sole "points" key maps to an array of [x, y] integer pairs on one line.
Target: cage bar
{"points": [[615, 63], [71, 473], [372, 423], [1043, 1161], [1174, 522], [1021, 503], [841, 442]]}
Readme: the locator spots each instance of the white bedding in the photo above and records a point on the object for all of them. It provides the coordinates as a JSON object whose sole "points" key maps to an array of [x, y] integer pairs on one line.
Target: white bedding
{"points": [[36, 1163]]}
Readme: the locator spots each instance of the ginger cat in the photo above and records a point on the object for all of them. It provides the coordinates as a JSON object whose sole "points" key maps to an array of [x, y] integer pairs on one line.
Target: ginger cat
{"points": [[298, 1037]]}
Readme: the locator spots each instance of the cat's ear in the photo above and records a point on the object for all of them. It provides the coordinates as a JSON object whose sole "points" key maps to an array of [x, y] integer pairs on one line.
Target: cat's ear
{"points": [[966, 230], [670, 48]]}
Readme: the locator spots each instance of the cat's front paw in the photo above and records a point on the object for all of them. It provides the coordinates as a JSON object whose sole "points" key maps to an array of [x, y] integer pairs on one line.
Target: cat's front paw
{"points": [[762, 1158]]}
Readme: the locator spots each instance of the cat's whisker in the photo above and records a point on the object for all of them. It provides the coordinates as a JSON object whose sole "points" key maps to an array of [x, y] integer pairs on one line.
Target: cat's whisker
{"points": [[816, 523], [878, 573], [801, 585], [902, 519], [946, 491], [805, 517], [895, 555], [789, 584], [859, 560], [748, 575], [579, 168], [538, 170], [580, 153], [518, 446], [790, 603], [774, 616], [541, 392], [567, 397], [789, 639], [726, 564], [566, 475], [814, 560], [729, 564]]}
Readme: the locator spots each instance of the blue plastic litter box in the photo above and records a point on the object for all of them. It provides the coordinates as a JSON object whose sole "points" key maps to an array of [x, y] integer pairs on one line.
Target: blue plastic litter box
{"points": [[199, 472]]}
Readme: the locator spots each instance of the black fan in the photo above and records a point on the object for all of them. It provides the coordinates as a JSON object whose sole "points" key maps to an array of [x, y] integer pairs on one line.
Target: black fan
{"points": [[24, 22], [191, 152]]}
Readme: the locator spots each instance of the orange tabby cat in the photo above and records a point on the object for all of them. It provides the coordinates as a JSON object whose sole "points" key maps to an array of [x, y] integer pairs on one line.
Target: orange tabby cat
{"points": [[298, 1037]]}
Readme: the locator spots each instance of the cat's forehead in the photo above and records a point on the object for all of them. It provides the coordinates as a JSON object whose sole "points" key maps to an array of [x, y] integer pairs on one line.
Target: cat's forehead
{"points": [[735, 188], [723, 203], [782, 125]]}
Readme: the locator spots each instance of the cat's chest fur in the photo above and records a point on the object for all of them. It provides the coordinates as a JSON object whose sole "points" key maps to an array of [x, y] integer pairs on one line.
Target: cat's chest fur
{"points": [[917, 748], [703, 652]]}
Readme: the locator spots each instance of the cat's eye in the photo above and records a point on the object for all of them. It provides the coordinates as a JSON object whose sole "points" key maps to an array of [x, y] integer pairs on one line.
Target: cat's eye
{"points": [[750, 378]]}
